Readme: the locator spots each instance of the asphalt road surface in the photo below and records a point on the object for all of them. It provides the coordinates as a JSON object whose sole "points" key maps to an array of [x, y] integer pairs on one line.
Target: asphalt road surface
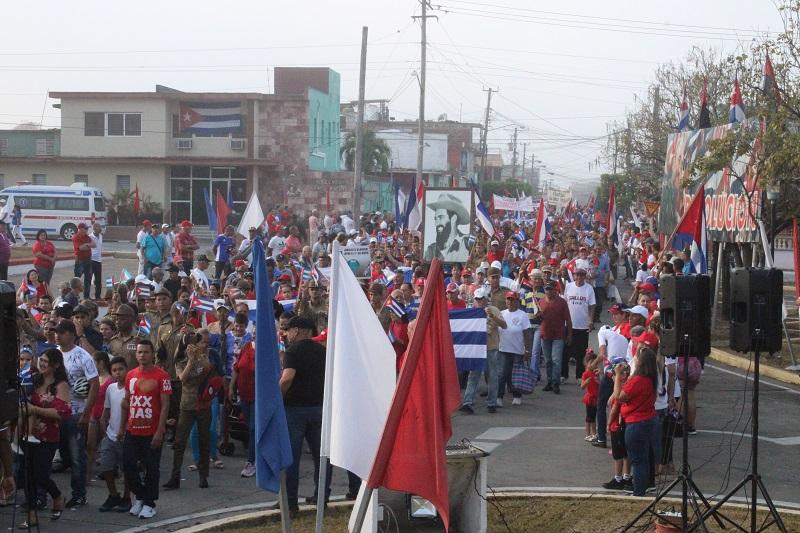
{"points": [[537, 444]]}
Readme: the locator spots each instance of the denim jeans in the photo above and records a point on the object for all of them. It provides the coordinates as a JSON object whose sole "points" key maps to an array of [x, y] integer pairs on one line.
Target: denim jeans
{"points": [[213, 435], [249, 411], [552, 350], [84, 269], [492, 368], [641, 440], [76, 440], [603, 394], [305, 422], [508, 360], [137, 453], [536, 353]]}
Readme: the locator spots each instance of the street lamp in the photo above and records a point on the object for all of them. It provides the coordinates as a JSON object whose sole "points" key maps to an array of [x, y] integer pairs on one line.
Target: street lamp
{"points": [[773, 195]]}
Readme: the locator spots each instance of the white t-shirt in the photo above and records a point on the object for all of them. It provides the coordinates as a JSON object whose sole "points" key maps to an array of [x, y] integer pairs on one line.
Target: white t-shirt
{"points": [[114, 396], [348, 224], [512, 340], [642, 275], [674, 361], [97, 251], [277, 243], [579, 299], [139, 238], [78, 363], [662, 402], [616, 344]]}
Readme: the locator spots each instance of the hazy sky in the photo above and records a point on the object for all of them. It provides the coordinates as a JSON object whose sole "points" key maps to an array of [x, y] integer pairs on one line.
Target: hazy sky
{"points": [[563, 69]]}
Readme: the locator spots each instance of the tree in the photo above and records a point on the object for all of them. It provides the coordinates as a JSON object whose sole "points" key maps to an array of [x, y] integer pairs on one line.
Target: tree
{"points": [[375, 157], [625, 196]]}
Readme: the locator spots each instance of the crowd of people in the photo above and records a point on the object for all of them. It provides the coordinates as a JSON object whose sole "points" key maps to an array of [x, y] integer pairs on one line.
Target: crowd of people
{"points": [[166, 356]]}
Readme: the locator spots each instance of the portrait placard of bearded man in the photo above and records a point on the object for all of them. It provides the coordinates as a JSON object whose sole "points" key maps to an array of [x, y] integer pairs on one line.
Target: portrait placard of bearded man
{"points": [[448, 243]]}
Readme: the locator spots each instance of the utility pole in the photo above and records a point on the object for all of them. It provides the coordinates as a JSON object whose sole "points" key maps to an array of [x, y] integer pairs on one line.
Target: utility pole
{"points": [[423, 50], [358, 164], [485, 137], [514, 156], [524, 150]]}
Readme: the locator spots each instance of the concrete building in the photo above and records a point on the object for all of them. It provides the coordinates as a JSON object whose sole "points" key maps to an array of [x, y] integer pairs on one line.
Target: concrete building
{"points": [[175, 145]]}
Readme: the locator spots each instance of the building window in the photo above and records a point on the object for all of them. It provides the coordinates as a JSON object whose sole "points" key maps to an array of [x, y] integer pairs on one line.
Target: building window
{"points": [[124, 124], [3, 146], [94, 124], [123, 183], [40, 179], [82, 178], [45, 147]]}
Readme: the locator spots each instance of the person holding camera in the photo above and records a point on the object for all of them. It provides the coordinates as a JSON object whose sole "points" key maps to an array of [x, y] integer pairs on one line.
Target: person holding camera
{"points": [[195, 375]]}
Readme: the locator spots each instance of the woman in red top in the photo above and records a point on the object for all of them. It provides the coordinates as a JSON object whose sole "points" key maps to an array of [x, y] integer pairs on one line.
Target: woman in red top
{"points": [[44, 256], [642, 427], [48, 406], [243, 381], [35, 286]]}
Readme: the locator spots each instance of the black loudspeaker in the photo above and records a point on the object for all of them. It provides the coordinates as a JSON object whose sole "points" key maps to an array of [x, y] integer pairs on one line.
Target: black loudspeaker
{"points": [[756, 305], [9, 353], [686, 310]]}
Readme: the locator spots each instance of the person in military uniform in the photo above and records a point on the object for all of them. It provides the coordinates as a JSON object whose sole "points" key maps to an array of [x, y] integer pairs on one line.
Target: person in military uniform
{"points": [[123, 344], [450, 245], [313, 304]]}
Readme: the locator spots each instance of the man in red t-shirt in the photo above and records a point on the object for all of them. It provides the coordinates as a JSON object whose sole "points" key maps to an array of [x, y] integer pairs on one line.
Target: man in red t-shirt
{"points": [[555, 330], [82, 246], [145, 406], [185, 245], [454, 301]]}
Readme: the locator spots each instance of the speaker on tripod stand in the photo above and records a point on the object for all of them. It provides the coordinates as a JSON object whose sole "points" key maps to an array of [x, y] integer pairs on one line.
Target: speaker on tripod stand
{"points": [[9, 353]]}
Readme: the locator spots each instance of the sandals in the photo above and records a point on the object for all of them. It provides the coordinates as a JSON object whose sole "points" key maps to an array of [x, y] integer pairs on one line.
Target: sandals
{"points": [[218, 464], [192, 467], [28, 525]]}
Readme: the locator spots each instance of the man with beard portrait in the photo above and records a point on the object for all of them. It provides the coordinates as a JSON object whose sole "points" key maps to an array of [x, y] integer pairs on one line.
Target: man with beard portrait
{"points": [[449, 245]]}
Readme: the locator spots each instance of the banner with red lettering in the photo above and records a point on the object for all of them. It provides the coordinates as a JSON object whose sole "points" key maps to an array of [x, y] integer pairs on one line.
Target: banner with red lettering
{"points": [[732, 204], [513, 204]]}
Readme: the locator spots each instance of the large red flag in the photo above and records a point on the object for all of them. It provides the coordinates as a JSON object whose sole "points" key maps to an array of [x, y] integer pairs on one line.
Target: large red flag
{"points": [[411, 456], [136, 205], [223, 210]]}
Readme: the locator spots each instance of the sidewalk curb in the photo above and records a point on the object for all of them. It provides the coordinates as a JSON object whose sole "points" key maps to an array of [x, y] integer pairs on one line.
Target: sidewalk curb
{"points": [[63, 257], [743, 363]]}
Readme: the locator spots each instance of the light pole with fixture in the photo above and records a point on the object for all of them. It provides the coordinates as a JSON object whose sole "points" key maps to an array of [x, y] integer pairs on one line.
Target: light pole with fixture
{"points": [[773, 195]]}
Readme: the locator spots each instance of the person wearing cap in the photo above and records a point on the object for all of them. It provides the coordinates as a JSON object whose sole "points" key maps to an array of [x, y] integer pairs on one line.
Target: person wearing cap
{"points": [[529, 301], [494, 320], [185, 246], [580, 298], [147, 227], [555, 331], [123, 343], [454, 301], [612, 346], [169, 238], [494, 253], [79, 366], [82, 247], [313, 304], [515, 345], [320, 246], [154, 250], [302, 383], [448, 243]]}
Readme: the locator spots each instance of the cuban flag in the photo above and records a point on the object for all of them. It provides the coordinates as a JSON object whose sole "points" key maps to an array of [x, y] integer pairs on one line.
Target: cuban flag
{"points": [[110, 283], [540, 233], [482, 213], [125, 275], [144, 325], [398, 309], [202, 304], [691, 232], [768, 83], [143, 290], [205, 118], [415, 201], [27, 291], [683, 114], [468, 327], [736, 113], [400, 206]]}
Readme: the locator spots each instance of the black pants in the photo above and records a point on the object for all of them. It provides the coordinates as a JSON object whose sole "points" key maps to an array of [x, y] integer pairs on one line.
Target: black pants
{"points": [[188, 266], [84, 269], [508, 359], [221, 268], [97, 275], [4, 271], [605, 390], [39, 458], [137, 451], [600, 298], [580, 341]]}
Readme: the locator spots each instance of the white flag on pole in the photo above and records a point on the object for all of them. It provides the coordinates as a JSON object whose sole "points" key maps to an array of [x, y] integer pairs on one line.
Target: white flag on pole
{"points": [[253, 216]]}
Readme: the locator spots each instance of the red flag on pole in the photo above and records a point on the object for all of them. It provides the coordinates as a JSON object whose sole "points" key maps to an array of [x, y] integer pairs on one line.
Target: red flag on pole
{"points": [[411, 456], [796, 254], [136, 206], [223, 210]]}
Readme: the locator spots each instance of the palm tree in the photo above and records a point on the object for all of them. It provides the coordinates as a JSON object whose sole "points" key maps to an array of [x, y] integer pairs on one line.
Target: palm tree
{"points": [[375, 157]]}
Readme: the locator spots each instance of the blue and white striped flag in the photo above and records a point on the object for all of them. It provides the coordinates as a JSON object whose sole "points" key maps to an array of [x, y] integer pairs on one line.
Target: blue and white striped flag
{"points": [[468, 327]]}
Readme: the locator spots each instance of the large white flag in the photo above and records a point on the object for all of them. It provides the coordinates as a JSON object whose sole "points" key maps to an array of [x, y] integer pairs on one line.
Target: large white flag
{"points": [[363, 377], [253, 216]]}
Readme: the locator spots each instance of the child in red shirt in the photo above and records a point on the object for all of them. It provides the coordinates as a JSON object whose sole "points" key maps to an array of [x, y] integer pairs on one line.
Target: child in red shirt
{"points": [[622, 465], [590, 385]]}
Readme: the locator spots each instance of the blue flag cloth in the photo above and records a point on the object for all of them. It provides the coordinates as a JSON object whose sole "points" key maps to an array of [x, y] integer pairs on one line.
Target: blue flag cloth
{"points": [[273, 449], [212, 215]]}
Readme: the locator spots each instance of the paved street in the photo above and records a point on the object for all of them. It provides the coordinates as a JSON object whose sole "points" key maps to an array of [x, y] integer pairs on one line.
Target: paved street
{"points": [[537, 444]]}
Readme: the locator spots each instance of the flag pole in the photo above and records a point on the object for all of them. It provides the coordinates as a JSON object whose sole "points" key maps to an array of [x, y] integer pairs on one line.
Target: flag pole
{"points": [[286, 520], [325, 440], [362, 509]]}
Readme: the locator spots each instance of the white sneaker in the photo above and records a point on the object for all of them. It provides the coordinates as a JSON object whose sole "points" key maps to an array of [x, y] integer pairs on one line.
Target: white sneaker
{"points": [[516, 401], [249, 470], [147, 512], [499, 402], [136, 508]]}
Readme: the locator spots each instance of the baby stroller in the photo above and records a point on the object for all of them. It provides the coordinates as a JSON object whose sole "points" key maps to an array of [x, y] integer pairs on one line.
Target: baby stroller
{"points": [[234, 427]]}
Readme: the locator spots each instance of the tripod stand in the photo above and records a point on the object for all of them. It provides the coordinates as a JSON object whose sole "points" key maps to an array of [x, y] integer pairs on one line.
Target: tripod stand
{"points": [[756, 483], [690, 492]]}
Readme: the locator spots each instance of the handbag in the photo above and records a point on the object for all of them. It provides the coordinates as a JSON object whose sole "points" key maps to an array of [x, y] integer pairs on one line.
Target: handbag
{"points": [[522, 378]]}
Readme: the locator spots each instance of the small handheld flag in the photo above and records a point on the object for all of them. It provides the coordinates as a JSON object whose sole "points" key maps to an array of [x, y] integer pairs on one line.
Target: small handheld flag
{"points": [[143, 290], [683, 113], [395, 307], [202, 304], [144, 325], [110, 283], [125, 275]]}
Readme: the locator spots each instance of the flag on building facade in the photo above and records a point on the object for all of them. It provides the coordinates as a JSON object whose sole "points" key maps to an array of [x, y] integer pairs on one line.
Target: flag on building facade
{"points": [[683, 113], [704, 119], [273, 448], [736, 113], [691, 232], [211, 117]]}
